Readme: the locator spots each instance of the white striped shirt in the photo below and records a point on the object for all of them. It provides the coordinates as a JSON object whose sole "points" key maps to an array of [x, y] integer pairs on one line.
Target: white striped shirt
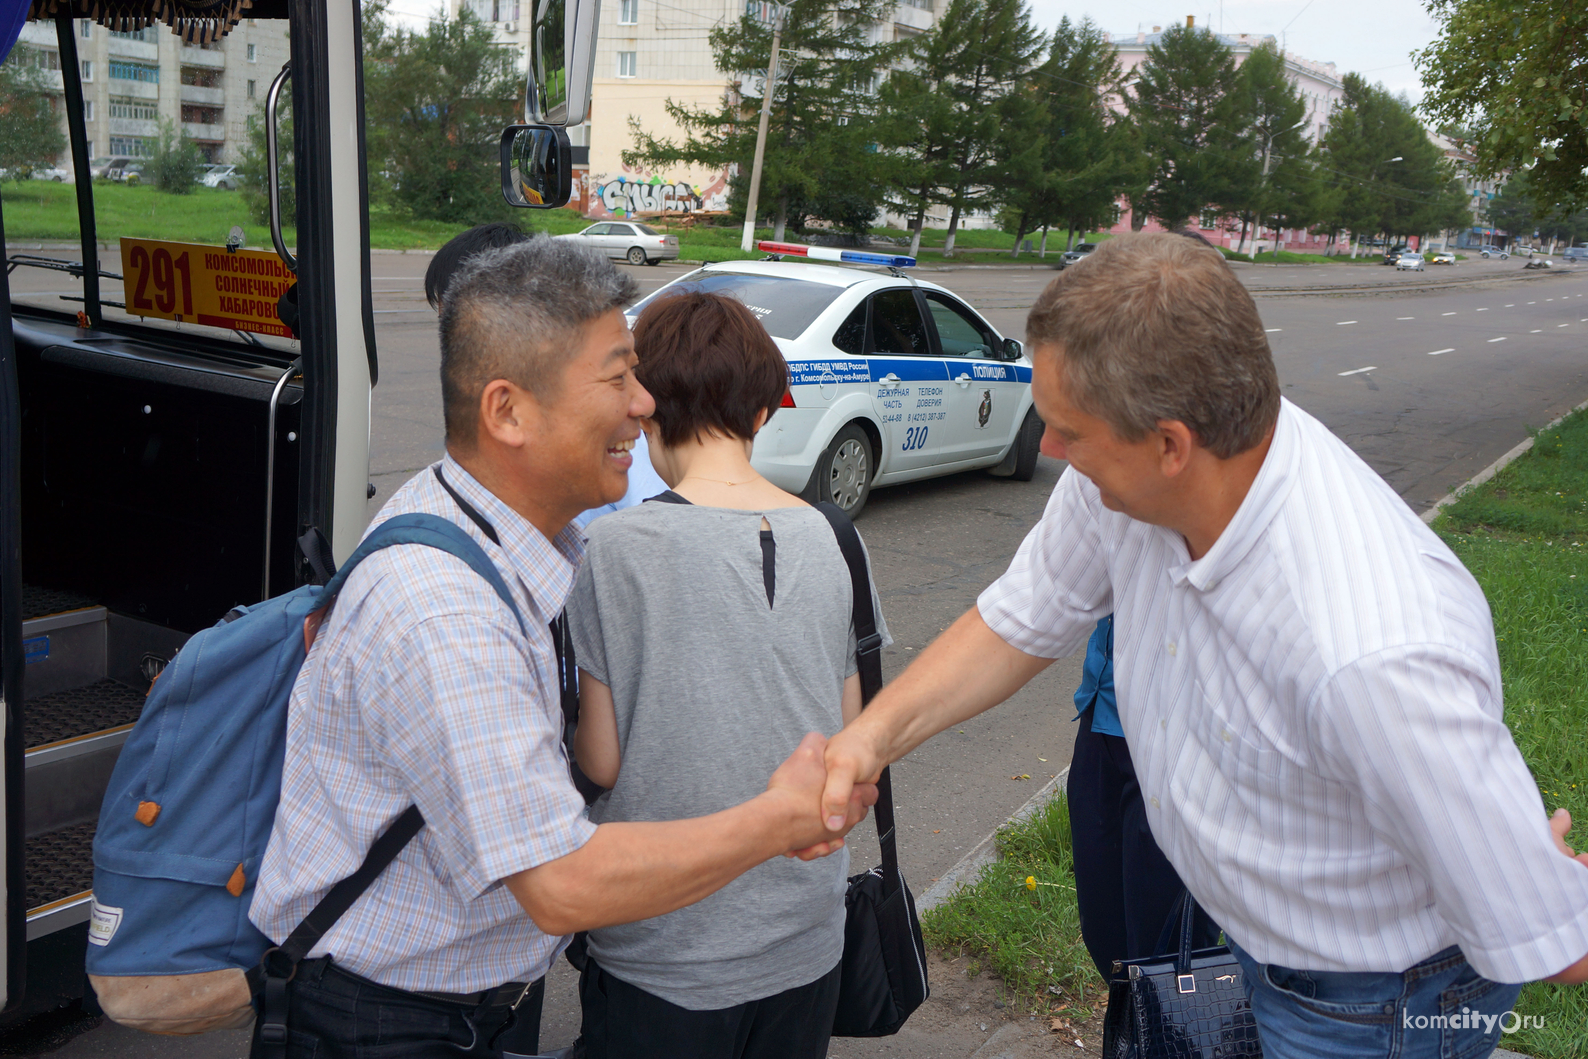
{"points": [[1314, 713], [420, 689]]}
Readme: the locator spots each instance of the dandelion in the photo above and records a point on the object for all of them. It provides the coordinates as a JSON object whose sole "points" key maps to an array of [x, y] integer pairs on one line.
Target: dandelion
{"points": [[1031, 882]]}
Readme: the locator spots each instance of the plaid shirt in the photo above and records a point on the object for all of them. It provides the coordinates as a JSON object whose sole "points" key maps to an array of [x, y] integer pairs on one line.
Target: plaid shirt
{"points": [[420, 689]]}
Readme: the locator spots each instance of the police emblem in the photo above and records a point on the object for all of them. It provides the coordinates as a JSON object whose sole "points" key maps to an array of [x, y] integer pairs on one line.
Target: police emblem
{"points": [[984, 413]]}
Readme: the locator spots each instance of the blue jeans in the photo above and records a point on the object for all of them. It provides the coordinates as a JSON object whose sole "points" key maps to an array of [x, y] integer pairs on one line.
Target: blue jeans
{"points": [[1438, 1009]]}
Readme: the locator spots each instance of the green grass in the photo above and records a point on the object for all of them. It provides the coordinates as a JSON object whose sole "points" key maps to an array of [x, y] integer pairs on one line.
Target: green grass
{"points": [[1524, 536], [1030, 938]]}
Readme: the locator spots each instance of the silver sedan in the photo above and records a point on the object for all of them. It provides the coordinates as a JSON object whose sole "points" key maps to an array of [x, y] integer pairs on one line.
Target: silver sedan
{"points": [[638, 244]]}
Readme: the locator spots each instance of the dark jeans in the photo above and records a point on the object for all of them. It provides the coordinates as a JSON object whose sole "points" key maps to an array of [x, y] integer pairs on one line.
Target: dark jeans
{"points": [[622, 1021], [338, 1015], [1124, 885]]}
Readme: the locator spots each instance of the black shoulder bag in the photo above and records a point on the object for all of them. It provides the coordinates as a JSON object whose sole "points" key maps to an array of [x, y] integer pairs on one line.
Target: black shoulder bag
{"points": [[884, 966], [1183, 1003]]}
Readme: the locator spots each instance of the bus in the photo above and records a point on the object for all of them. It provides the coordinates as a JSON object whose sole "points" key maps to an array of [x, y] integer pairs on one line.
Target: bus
{"points": [[174, 416]]}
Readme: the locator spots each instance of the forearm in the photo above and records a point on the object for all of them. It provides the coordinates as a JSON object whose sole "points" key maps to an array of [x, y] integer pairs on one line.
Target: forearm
{"points": [[631, 871], [967, 670], [1576, 974]]}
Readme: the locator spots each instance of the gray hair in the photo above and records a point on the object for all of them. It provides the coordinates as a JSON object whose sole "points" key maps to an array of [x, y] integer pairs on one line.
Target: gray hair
{"points": [[1156, 327], [515, 313]]}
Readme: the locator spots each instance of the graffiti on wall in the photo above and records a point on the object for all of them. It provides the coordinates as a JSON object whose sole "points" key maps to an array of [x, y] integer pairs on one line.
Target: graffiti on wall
{"points": [[632, 195]]}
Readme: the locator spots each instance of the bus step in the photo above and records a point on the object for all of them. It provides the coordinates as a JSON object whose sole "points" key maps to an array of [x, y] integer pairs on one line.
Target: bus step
{"points": [[60, 871], [41, 602]]}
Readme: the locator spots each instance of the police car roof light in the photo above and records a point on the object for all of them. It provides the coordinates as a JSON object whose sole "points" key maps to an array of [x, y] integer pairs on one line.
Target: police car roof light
{"points": [[828, 253]]}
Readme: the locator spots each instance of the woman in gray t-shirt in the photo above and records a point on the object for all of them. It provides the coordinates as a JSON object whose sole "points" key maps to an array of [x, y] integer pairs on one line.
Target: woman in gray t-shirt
{"points": [[712, 628]]}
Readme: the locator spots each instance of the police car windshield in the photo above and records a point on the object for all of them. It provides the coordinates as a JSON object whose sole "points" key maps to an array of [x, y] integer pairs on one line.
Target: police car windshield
{"points": [[785, 307]]}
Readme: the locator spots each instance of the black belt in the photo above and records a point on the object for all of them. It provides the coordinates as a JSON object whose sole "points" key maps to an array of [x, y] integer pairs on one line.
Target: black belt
{"points": [[508, 995]]}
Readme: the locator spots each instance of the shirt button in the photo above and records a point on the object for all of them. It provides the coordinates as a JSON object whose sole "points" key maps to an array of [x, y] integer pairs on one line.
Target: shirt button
{"points": [[1225, 735], [1171, 647], [1163, 723], [1155, 803]]}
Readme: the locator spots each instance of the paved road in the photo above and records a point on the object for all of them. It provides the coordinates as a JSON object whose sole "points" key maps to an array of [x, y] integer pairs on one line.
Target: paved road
{"points": [[1453, 378]]}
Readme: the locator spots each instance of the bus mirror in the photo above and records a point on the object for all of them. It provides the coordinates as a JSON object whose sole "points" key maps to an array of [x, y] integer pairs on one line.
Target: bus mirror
{"points": [[562, 42], [537, 166]]}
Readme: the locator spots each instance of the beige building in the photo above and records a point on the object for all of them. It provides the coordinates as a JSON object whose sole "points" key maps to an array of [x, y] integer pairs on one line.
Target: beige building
{"points": [[131, 81], [650, 53]]}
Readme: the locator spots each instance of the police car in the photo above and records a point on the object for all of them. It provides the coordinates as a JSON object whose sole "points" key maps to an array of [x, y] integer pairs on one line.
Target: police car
{"points": [[893, 379]]}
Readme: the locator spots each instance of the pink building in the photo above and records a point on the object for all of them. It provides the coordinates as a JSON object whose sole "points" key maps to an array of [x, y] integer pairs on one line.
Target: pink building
{"points": [[1320, 86]]}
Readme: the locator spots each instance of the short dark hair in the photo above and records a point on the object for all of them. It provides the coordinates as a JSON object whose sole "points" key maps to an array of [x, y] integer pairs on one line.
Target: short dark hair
{"points": [[461, 247], [516, 313], [709, 364], [1155, 327]]}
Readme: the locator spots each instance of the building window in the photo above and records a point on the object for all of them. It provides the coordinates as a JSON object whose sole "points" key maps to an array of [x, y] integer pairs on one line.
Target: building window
{"points": [[88, 69], [88, 110], [45, 59], [146, 34], [87, 28], [201, 76], [1209, 221], [626, 64], [253, 53], [195, 114], [629, 12], [250, 90], [131, 146], [518, 9], [136, 109], [125, 71]]}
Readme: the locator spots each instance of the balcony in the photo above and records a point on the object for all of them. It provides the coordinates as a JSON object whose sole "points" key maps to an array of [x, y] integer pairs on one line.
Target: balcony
{"points": [[134, 89], [210, 133], [209, 97], [143, 50], [203, 57], [134, 127]]}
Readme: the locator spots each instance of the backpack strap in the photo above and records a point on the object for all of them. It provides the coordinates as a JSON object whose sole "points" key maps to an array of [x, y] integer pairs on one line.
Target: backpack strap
{"points": [[868, 652], [269, 980]]}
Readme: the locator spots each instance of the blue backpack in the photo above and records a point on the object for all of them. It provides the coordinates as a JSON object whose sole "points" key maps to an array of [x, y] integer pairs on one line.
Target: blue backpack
{"points": [[191, 802]]}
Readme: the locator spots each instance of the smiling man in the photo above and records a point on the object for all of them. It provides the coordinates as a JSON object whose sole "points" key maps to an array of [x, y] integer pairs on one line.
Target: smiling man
{"points": [[1306, 676], [423, 689]]}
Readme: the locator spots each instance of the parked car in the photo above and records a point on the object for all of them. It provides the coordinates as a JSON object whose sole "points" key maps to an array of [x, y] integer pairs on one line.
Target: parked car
{"points": [[1075, 254], [1575, 254], [1409, 259], [1493, 251], [52, 173], [1443, 257], [1522, 250], [131, 173], [224, 177], [893, 379], [1393, 254], [100, 168], [638, 244]]}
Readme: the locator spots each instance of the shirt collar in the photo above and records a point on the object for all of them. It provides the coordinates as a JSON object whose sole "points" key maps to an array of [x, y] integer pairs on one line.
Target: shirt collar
{"points": [[1267, 495], [546, 568]]}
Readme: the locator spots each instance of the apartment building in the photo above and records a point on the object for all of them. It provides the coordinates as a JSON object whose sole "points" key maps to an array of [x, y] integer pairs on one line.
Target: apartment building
{"points": [[650, 53], [134, 80]]}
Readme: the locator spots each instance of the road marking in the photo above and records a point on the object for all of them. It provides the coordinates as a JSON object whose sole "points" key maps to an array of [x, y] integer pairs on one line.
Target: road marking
{"points": [[1563, 325], [1342, 323], [1511, 305], [1500, 339], [1271, 330], [1357, 371], [1536, 331], [1436, 352], [1447, 314], [1532, 303], [1483, 310], [1406, 318]]}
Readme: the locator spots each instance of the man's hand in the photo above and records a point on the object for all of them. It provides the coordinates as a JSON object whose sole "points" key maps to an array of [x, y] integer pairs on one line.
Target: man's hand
{"points": [[798, 783], [852, 758], [1560, 827]]}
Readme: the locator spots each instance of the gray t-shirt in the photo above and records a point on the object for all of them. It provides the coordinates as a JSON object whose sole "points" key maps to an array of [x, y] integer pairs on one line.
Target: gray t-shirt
{"points": [[713, 688]]}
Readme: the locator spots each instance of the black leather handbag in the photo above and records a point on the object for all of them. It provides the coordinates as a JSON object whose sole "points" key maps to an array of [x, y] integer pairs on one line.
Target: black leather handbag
{"points": [[1186, 1004], [883, 979]]}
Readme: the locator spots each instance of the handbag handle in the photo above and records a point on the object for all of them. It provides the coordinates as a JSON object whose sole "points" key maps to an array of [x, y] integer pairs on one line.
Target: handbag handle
{"points": [[868, 653]]}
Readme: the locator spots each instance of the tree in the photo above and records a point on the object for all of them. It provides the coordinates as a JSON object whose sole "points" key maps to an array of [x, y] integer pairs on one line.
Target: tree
{"points": [[1517, 76], [175, 165], [435, 103], [1276, 184], [821, 156], [1184, 103], [253, 169], [30, 131]]}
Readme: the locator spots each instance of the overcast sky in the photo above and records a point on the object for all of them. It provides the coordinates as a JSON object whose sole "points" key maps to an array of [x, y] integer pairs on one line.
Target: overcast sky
{"points": [[1371, 37]]}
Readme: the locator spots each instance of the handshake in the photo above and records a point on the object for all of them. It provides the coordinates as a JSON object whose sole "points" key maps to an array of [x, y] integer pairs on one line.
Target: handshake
{"points": [[822, 790]]}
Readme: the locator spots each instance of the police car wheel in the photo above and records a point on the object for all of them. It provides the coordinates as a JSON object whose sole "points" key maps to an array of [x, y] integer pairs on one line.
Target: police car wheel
{"points": [[636, 256], [1028, 445], [843, 472]]}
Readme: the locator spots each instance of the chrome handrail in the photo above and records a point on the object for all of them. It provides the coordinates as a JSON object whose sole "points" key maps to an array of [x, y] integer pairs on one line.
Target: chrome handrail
{"points": [[270, 466], [273, 177]]}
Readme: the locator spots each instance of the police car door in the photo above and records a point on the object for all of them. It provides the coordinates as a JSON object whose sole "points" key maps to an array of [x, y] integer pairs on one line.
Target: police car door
{"points": [[910, 381], [983, 393]]}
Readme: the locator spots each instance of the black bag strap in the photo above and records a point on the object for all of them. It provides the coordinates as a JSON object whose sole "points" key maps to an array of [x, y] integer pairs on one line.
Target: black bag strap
{"points": [[868, 652]]}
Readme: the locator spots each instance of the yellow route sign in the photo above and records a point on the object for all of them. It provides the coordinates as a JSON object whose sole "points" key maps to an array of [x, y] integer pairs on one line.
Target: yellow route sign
{"points": [[205, 284]]}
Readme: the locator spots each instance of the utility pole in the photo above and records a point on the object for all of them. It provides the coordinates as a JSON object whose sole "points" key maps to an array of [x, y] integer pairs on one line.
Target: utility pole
{"points": [[748, 238]]}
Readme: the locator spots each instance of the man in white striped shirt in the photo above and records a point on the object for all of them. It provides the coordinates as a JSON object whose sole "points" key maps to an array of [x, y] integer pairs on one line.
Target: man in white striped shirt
{"points": [[1307, 677]]}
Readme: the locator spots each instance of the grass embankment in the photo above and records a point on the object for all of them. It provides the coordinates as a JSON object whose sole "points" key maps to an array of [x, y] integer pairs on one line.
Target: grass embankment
{"points": [[37, 210], [1524, 536]]}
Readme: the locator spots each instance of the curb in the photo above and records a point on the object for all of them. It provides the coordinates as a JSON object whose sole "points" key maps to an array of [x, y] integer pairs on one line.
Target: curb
{"points": [[984, 852], [1492, 469]]}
